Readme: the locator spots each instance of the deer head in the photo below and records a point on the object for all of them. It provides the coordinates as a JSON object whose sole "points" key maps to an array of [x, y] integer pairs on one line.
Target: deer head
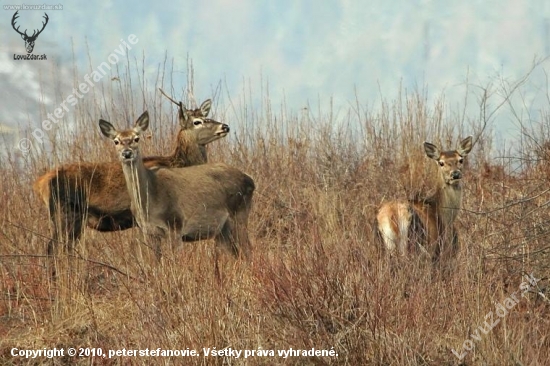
{"points": [[29, 40], [450, 162], [126, 141], [195, 119]]}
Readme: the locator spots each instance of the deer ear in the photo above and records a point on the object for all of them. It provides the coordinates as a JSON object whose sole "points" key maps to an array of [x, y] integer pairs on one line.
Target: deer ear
{"points": [[107, 129], [142, 123], [432, 151], [205, 107], [465, 146]]}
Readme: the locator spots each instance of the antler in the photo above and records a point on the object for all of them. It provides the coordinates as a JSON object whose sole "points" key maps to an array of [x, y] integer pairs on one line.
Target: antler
{"points": [[43, 26], [15, 16], [179, 104], [182, 111], [34, 35]]}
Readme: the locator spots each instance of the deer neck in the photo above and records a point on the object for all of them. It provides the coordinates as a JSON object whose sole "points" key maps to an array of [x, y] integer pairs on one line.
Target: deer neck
{"points": [[141, 185], [448, 198], [188, 151]]}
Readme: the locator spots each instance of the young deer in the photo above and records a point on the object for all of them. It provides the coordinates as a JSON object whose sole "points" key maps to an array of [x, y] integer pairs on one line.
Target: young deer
{"points": [[428, 222], [196, 203], [95, 194]]}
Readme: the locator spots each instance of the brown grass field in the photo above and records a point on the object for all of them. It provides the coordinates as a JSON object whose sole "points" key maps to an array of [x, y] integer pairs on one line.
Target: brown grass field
{"points": [[317, 278]]}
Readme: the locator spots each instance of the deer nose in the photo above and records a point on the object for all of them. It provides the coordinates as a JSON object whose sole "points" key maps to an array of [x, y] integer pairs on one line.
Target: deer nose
{"points": [[225, 128], [127, 154], [457, 174]]}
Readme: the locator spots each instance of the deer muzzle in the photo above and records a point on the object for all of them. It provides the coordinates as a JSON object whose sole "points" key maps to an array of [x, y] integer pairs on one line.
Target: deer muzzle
{"points": [[223, 130], [454, 177], [127, 154]]}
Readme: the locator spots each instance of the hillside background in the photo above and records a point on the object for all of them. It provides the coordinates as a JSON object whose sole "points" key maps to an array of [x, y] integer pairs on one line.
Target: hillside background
{"points": [[303, 53]]}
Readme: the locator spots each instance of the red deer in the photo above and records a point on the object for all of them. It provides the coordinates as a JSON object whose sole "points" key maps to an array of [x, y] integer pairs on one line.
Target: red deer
{"points": [[95, 194], [194, 203], [429, 222]]}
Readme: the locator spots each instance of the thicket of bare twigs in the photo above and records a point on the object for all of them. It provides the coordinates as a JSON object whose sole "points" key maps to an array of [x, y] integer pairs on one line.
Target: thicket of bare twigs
{"points": [[317, 279]]}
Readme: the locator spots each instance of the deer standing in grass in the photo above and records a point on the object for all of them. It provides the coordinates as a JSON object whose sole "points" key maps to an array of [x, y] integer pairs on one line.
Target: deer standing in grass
{"points": [[95, 194], [194, 203], [429, 222]]}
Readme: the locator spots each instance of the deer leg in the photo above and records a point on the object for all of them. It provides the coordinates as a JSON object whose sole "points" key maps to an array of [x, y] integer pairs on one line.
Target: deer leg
{"points": [[154, 237], [67, 225], [56, 227], [225, 239], [67, 206], [245, 247], [235, 230], [156, 247], [241, 228], [234, 236]]}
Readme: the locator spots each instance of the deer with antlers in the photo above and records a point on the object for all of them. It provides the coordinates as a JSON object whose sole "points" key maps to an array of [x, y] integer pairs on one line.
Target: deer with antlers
{"points": [[195, 203], [29, 40], [428, 223], [95, 194]]}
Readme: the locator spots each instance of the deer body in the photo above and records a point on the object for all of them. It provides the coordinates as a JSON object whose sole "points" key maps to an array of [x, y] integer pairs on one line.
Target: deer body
{"points": [[428, 223], [95, 194], [194, 203]]}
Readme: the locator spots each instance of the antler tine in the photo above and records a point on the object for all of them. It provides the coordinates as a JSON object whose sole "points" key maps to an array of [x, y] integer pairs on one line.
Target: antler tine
{"points": [[43, 24], [15, 16], [179, 104]]}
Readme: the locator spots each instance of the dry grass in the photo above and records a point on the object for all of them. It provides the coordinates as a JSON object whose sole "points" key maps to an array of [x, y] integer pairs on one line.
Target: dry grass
{"points": [[317, 279]]}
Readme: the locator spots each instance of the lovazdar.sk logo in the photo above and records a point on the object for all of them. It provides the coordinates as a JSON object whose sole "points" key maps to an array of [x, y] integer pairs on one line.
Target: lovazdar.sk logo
{"points": [[29, 39]]}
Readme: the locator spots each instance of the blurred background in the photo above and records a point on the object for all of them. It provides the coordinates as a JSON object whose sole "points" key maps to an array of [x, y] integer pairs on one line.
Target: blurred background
{"points": [[303, 54]]}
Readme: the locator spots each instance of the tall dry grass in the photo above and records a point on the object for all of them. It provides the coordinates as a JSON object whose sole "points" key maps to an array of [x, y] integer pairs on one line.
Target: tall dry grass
{"points": [[317, 278]]}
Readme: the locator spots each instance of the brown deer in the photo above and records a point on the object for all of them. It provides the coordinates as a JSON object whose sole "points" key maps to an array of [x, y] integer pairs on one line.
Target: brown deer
{"points": [[195, 203], [429, 222], [95, 194]]}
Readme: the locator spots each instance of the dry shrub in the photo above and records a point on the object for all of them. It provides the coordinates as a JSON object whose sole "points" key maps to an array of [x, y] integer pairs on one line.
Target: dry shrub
{"points": [[317, 278]]}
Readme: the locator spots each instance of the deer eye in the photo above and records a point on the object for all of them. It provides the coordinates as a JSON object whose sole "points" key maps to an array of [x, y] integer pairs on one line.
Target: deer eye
{"points": [[136, 139], [460, 160], [116, 141], [197, 122], [441, 163]]}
